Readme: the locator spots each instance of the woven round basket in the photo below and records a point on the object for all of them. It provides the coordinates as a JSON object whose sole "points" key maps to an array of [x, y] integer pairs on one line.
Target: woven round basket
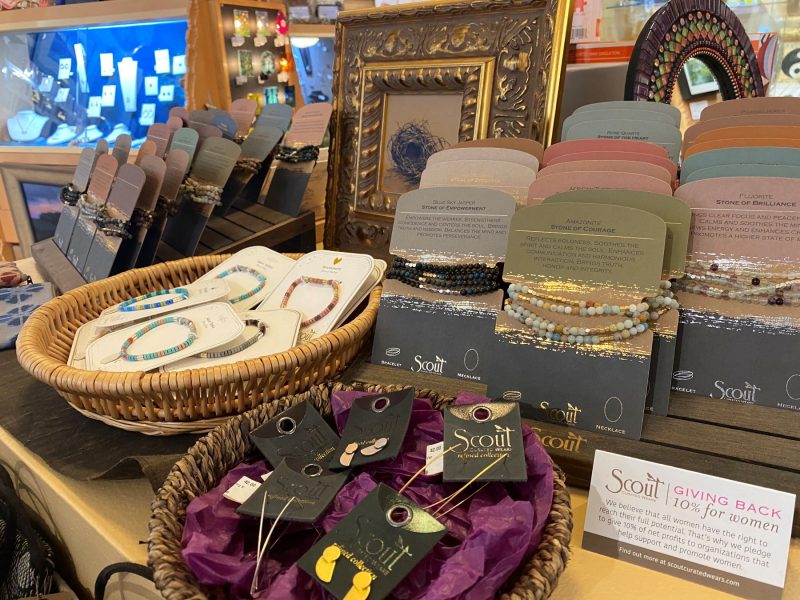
{"points": [[181, 401], [208, 461]]}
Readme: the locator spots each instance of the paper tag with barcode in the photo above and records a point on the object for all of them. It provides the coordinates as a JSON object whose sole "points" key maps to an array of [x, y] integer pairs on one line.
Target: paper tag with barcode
{"points": [[240, 491], [437, 466]]}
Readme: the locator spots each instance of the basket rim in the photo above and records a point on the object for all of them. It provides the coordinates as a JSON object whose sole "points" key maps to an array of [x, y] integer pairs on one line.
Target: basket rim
{"points": [[32, 355]]}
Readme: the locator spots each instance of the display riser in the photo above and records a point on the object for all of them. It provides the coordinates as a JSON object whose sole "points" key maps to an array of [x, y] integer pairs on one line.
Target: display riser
{"points": [[746, 443]]}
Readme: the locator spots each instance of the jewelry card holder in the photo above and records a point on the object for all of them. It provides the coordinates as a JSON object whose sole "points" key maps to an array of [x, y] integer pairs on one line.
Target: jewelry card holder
{"points": [[96, 196], [296, 158], [752, 250], [112, 222], [155, 170], [177, 164], [72, 194], [563, 254], [225, 123], [550, 185], [510, 178], [425, 329], [677, 217], [201, 192]]}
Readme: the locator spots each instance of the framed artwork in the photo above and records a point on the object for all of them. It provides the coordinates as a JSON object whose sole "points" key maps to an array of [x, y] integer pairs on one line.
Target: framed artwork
{"points": [[412, 79]]}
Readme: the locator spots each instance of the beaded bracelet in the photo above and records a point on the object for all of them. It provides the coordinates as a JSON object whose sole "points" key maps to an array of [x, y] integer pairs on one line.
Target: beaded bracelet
{"points": [[142, 218], [129, 305], [262, 281], [123, 351], [402, 263], [771, 295], [110, 226], [297, 154], [262, 331], [474, 288], [334, 285], [87, 209], [249, 165], [69, 195], [202, 193]]}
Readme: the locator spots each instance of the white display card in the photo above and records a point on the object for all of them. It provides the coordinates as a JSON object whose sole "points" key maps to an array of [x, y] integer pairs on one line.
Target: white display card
{"points": [[148, 115], [374, 279], [46, 84], [272, 265], [93, 110], [85, 335], [151, 86], [64, 68], [283, 327], [62, 94], [179, 64], [215, 324], [106, 64], [109, 96], [717, 532], [162, 65], [166, 93]]}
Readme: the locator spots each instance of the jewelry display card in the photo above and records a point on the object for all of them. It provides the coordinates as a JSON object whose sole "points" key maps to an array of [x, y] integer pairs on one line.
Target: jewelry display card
{"points": [[602, 145], [378, 271], [84, 335], [254, 260], [155, 170], [667, 136], [383, 518], [487, 443], [565, 253], [161, 135], [69, 214], [174, 124], [181, 113], [148, 148], [179, 64], [763, 132], [282, 329], [299, 432], [532, 147], [199, 292], [185, 139], [752, 106], [94, 108], [109, 96], [309, 125], [122, 148], [661, 161], [786, 171], [276, 115], [677, 217], [544, 187], [243, 111], [708, 146], [120, 204], [214, 323], [639, 107], [148, 114], [613, 166], [695, 131], [225, 123], [510, 178], [64, 69], [162, 62], [587, 116], [177, 164], [451, 155], [321, 286], [744, 230], [205, 132], [107, 64], [99, 187], [449, 226], [739, 156], [212, 165], [200, 117], [375, 429], [151, 86], [166, 93]]}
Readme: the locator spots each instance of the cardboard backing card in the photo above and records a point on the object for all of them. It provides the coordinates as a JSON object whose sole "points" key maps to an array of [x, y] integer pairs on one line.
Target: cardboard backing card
{"points": [[692, 133], [120, 204], [213, 165], [155, 170], [751, 106], [740, 156], [243, 111], [751, 170], [481, 153], [547, 186], [510, 178], [99, 187], [636, 106], [290, 180], [272, 265], [283, 327], [602, 145], [311, 298], [607, 254], [667, 136], [616, 166], [176, 163], [215, 324], [69, 213], [660, 161], [532, 147], [677, 217], [161, 135], [750, 224]]}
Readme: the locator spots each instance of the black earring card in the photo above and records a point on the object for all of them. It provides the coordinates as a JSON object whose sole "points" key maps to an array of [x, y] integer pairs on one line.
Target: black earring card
{"points": [[299, 432], [481, 435], [120, 205], [569, 252], [308, 487], [290, 180], [155, 170], [212, 166], [80, 181], [677, 216], [385, 536], [99, 187], [425, 331], [375, 429], [177, 163]]}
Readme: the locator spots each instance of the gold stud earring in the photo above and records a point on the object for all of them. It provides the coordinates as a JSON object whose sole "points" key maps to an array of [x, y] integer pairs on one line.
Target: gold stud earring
{"points": [[361, 586], [327, 562], [375, 447], [347, 456]]}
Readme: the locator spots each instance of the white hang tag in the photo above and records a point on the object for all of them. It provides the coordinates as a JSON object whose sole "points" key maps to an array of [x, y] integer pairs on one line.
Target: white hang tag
{"points": [[240, 491], [437, 466]]}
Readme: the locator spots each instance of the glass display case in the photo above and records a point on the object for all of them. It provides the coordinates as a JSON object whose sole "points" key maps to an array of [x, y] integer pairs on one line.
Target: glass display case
{"points": [[72, 86]]}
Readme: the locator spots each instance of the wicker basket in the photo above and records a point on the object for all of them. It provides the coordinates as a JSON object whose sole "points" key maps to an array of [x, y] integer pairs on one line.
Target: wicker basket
{"points": [[207, 462], [182, 401]]}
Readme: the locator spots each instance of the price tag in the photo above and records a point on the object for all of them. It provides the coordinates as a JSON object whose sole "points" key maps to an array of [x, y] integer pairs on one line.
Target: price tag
{"points": [[179, 64], [93, 110], [723, 534], [106, 64], [162, 61], [62, 94], [109, 96], [151, 86], [167, 93], [148, 115], [64, 68], [437, 466], [240, 491]]}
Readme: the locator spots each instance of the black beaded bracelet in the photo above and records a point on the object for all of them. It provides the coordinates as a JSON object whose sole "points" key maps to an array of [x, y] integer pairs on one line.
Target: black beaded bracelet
{"points": [[69, 195], [297, 154]]}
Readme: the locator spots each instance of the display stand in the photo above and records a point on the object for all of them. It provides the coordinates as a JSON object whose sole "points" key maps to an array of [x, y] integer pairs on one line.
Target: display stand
{"points": [[55, 266], [752, 444]]}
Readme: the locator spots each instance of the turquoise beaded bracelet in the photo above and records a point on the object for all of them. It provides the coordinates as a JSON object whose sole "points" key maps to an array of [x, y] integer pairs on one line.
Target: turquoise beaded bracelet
{"points": [[262, 281], [123, 351], [131, 305]]}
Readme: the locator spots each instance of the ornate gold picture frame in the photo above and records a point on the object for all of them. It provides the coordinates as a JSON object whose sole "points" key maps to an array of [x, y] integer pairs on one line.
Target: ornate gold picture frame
{"points": [[412, 79]]}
